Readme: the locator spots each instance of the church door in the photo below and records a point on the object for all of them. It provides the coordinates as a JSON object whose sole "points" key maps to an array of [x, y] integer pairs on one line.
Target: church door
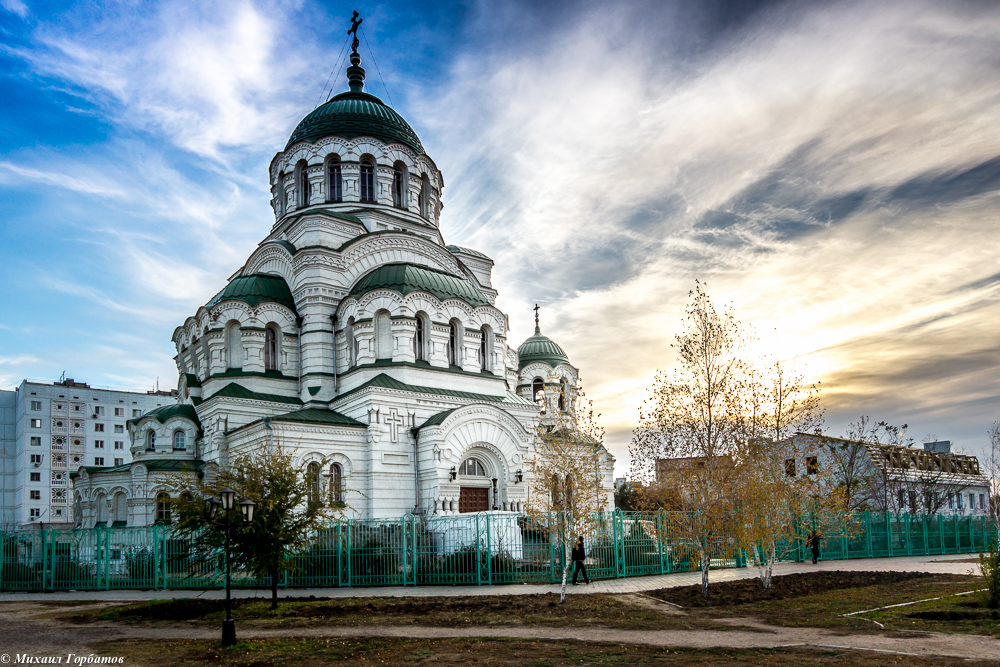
{"points": [[473, 499]]}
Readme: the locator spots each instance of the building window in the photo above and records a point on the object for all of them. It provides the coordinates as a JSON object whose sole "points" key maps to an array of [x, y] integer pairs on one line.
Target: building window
{"points": [[302, 183], [790, 467], [538, 391], [972, 501], [119, 412], [98, 460], [36, 423], [234, 344], [367, 180], [119, 444], [472, 467], [336, 483], [454, 343], [36, 405], [98, 428], [98, 410], [35, 513], [563, 390], [98, 444], [35, 495], [982, 501], [162, 508], [150, 441], [958, 497], [399, 185], [36, 458], [812, 465], [136, 413], [180, 441], [35, 477], [383, 335], [951, 501], [119, 462], [335, 180], [420, 339], [270, 349], [352, 348], [486, 348], [424, 199], [312, 478], [36, 441], [119, 428]]}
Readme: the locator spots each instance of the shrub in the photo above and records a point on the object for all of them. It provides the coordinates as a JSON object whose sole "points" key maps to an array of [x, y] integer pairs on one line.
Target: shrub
{"points": [[989, 563], [141, 563]]}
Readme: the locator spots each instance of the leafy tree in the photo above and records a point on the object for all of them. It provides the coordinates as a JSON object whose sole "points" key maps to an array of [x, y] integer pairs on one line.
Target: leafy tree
{"points": [[566, 479], [627, 497], [285, 517]]}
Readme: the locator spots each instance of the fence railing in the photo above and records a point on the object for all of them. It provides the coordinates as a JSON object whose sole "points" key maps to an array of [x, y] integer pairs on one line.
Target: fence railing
{"points": [[466, 549]]}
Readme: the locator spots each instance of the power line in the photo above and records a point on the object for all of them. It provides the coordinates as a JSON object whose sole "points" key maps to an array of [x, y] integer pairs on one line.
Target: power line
{"points": [[332, 72], [372, 54]]}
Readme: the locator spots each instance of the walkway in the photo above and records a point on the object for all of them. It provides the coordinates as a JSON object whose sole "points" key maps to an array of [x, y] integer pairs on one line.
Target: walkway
{"points": [[950, 564]]}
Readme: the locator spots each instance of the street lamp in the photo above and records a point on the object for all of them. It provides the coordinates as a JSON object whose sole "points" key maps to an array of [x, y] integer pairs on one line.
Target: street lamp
{"points": [[227, 497], [494, 480]]}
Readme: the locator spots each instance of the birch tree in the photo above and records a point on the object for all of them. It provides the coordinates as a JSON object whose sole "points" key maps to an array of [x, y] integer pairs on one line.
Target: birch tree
{"points": [[991, 466]]}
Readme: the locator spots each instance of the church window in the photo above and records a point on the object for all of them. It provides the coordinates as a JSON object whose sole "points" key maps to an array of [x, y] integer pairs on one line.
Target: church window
{"points": [[367, 180], [180, 440], [234, 345], [424, 200], [383, 335], [336, 483], [399, 179], [352, 350], [119, 510], [312, 479], [454, 344], [270, 349], [335, 180], [563, 392], [486, 348], [100, 504], [162, 508], [420, 339], [150, 441], [302, 183], [472, 467], [538, 391]]}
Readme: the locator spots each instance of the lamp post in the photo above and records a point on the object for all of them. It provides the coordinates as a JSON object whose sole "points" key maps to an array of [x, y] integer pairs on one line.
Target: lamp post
{"points": [[495, 505], [227, 498]]}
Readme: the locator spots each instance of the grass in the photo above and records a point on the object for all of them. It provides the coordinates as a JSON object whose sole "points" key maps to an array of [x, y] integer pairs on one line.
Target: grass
{"points": [[446, 652]]}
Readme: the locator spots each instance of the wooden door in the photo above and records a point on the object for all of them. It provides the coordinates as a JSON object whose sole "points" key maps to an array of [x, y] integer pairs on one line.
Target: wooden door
{"points": [[473, 499]]}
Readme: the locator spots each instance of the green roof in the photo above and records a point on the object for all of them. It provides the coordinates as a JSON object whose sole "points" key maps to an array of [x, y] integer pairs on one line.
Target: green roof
{"points": [[455, 249], [437, 419], [151, 464], [405, 278], [386, 382], [233, 390], [287, 245], [318, 416], [192, 380], [540, 348], [163, 413], [255, 289], [356, 114]]}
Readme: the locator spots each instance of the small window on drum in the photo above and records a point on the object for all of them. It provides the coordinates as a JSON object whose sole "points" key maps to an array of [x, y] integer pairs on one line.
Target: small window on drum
{"points": [[472, 467], [335, 180], [180, 440], [367, 181], [162, 508]]}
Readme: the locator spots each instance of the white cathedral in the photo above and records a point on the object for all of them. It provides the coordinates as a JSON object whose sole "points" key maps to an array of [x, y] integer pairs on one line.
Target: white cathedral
{"points": [[355, 337]]}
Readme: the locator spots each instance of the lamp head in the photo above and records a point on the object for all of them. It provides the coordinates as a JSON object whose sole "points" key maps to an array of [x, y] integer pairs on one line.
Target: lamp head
{"points": [[228, 498], [247, 507], [211, 509], [452, 474]]}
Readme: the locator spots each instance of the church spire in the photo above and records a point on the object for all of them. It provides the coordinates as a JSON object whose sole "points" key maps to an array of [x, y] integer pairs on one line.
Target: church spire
{"points": [[355, 73], [537, 329]]}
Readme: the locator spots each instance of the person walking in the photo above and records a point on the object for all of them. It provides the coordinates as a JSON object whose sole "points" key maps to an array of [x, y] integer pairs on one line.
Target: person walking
{"points": [[579, 555], [814, 538]]}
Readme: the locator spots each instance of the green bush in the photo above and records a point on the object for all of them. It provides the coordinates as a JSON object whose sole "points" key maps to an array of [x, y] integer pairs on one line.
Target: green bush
{"points": [[141, 564], [989, 563], [71, 574]]}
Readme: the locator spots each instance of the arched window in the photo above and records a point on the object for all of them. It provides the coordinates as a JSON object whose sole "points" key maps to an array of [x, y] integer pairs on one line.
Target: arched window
{"points": [[180, 440], [302, 185], [101, 507], [234, 345], [336, 483], [383, 335], [150, 441], [399, 178], [420, 339], [352, 349], [424, 199], [270, 349], [312, 479], [472, 467], [486, 348], [367, 180], [334, 180], [162, 508], [538, 391], [282, 195], [563, 395], [455, 344], [119, 510]]}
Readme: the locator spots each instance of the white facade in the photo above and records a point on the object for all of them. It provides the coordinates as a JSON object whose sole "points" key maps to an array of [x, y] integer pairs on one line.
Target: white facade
{"points": [[356, 337], [49, 432]]}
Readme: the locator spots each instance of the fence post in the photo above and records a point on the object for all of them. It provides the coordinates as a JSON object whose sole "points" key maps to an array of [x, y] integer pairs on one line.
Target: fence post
{"points": [[659, 541], [617, 538], [927, 546], [909, 549], [489, 548], [868, 534]]}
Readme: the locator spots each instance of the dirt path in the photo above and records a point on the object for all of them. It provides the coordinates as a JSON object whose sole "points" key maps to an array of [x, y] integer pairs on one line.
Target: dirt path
{"points": [[28, 629]]}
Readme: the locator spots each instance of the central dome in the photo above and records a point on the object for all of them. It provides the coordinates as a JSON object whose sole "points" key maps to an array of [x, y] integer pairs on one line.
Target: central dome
{"points": [[356, 114]]}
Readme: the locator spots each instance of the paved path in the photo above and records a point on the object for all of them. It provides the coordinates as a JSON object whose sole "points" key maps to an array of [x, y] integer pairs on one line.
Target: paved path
{"points": [[938, 564]]}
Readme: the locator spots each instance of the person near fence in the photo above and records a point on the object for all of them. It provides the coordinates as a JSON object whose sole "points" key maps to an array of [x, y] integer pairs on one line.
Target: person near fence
{"points": [[579, 555], [814, 539]]}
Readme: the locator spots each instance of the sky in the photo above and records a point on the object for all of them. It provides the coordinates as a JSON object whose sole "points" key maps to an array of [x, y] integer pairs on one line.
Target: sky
{"points": [[830, 169]]}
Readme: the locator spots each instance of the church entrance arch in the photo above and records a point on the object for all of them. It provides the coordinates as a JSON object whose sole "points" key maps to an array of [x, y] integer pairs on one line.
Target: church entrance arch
{"points": [[475, 478]]}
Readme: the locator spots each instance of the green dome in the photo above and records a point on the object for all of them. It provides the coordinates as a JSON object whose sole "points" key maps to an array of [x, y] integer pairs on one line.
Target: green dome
{"points": [[405, 278], [540, 348], [356, 114], [255, 289]]}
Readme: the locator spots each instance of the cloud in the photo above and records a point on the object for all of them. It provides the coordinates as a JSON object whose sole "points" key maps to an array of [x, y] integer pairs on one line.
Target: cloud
{"points": [[15, 7]]}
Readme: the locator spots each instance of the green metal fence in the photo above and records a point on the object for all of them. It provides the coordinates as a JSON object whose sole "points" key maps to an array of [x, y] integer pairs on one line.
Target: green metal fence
{"points": [[465, 549]]}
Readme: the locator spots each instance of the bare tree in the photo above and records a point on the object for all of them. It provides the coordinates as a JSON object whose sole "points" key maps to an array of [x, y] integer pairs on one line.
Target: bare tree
{"points": [[991, 466]]}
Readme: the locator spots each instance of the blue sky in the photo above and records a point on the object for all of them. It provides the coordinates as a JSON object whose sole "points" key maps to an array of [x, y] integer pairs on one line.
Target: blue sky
{"points": [[830, 168]]}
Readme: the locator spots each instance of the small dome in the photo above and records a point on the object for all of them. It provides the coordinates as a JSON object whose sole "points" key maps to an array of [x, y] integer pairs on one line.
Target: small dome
{"points": [[255, 289], [540, 348], [356, 114], [404, 278]]}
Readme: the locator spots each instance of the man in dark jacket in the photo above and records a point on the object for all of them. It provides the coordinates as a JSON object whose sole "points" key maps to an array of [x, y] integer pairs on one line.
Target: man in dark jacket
{"points": [[814, 539], [579, 555]]}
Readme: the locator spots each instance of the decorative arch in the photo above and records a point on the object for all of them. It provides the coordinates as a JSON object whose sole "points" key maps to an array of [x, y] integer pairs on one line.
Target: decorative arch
{"points": [[234, 344], [383, 335]]}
